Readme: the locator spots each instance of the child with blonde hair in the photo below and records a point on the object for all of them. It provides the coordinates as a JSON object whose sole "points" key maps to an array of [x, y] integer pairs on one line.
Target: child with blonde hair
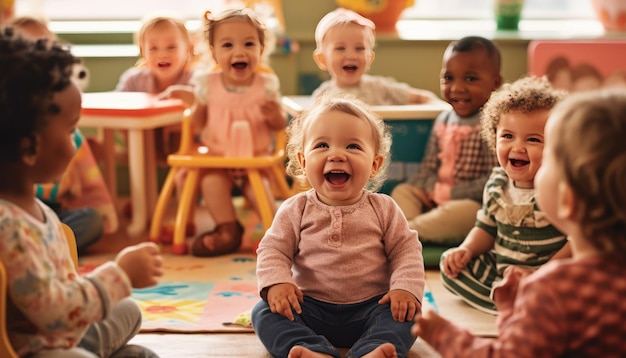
{"points": [[339, 267], [166, 61], [572, 307], [510, 228], [52, 311], [235, 113], [166, 57], [345, 48]]}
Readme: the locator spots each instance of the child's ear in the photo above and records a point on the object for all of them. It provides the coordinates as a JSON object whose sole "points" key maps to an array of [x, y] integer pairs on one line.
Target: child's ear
{"points": [[372, 56], [498, 82], [376, 164], [301, 160], [566, 205], [29, 151], [320, 60]]}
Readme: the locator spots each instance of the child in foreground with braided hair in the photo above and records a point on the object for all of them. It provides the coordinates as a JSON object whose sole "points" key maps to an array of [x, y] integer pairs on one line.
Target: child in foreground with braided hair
{"points": [[570, 307]]}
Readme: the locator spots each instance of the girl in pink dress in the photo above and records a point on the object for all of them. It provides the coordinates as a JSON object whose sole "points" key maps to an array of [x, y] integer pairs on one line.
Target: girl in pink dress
{"points": [[235, 112]]}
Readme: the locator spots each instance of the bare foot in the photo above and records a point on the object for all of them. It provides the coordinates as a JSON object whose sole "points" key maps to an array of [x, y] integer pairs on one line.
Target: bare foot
{"points": [[302, 352], [385, 350]]}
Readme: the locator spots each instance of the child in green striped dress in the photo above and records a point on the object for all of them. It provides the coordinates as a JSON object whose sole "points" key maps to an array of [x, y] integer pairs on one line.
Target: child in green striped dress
{"points": [[510, 229]]}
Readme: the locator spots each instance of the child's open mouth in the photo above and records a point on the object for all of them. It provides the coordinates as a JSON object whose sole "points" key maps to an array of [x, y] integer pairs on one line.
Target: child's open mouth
{"points": [[337, 177], [240, 65], [164, 64], [518, 162], [350, 68]]}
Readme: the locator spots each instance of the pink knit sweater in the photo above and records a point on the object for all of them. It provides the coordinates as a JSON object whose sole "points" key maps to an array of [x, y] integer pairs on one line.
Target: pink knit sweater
{"points": [[341, 254]]}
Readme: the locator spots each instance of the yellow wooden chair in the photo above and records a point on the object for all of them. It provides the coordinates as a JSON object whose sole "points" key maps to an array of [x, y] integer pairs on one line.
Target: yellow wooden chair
{"points": [[190, 159], [6, 351]]}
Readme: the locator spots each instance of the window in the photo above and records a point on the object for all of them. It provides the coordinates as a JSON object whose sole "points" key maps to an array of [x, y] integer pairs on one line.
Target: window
{"points": [[482, 9], [192, 9]]}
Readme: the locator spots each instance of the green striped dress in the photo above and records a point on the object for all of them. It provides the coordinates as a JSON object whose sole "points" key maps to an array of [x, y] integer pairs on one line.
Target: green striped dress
{"points": [[522, 237]]}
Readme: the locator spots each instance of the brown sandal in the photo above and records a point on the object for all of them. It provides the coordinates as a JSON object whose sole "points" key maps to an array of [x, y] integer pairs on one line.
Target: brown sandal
{"points": [[226, 238]]}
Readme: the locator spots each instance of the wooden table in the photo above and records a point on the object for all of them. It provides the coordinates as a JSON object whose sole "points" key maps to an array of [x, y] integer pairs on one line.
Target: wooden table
{"points": [[138, 113], [410, 126]]}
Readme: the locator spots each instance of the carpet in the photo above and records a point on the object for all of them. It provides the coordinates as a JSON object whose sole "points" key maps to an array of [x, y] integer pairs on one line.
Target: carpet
{"points": [[202, 295]]}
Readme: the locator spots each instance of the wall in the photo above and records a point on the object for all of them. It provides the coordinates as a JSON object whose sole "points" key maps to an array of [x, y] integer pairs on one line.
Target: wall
{"points": [[413, 56]]}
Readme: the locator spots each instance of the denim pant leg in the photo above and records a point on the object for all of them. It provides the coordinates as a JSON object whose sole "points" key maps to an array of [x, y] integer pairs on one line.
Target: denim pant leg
{"points": [[109, 337], [279, 335], [87, 225], [380, 327]]}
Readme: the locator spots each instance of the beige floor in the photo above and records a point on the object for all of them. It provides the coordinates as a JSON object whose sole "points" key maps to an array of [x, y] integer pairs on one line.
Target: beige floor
{"points": [[245, 345]]}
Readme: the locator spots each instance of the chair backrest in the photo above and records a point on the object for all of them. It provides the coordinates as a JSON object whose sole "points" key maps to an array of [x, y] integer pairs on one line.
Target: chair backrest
{"points": [[6, 351]]}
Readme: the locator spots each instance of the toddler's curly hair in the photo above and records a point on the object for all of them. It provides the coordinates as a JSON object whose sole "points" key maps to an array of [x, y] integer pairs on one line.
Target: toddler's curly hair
{"points": [[526, 95], [32, 72]]}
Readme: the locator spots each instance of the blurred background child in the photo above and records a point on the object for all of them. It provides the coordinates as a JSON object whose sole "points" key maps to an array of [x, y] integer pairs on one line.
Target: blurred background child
{"points": [[236, 110], [441, 199], [572, 307], [166, 60], [345, 48], [510, 228]]}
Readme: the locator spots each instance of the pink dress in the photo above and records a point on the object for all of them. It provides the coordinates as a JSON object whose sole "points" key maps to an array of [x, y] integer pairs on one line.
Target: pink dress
{"points": [[241, 108]]}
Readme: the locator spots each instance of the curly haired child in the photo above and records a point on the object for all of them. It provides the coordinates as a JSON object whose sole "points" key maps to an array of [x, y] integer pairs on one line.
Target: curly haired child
{"points": [[572, 307], [510, 228]]}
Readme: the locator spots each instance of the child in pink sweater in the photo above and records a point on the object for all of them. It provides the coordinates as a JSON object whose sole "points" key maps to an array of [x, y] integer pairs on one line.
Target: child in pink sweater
{"points": [[339, 267]]}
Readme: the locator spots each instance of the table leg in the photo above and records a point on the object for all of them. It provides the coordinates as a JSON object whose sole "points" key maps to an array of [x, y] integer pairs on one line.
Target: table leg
{"points": [[151, 171], [110, 166], [137, 173]]}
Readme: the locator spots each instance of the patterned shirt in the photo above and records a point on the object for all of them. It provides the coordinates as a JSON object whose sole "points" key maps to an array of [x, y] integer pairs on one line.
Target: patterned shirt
{"points": [[341, 254], [567, 308], [373, 90], [456, 156], [523, 235], [49, 305]]}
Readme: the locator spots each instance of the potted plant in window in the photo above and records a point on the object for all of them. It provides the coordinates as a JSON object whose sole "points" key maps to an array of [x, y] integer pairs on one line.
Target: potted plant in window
{"points": [[384, 13]]}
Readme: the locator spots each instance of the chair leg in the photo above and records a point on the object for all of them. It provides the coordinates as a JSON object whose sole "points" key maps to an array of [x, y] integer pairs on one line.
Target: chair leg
{"points": [[183, 212], [161, 206], [284, 190], [262, 197]]}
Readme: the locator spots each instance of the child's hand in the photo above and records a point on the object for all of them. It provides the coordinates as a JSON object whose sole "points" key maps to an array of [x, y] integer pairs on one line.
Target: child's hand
{"points": [[142, 264], [404, 306], [504, 292], [427, 324], [283, 298], [425, 198], [182, 92], [455, 260], [273, 114]]}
